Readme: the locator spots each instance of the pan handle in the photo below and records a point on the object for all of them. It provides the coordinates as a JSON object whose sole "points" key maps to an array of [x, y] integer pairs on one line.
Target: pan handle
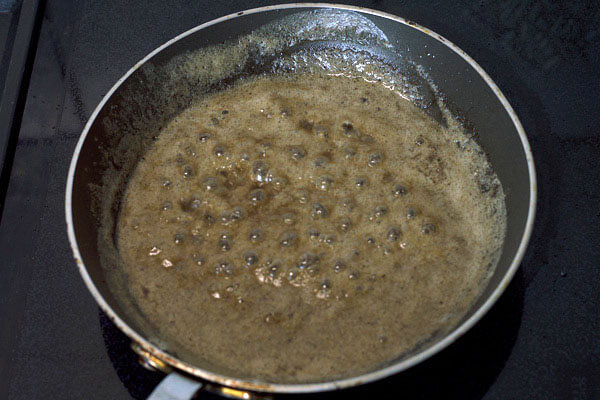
{"points": [[176, 387]]}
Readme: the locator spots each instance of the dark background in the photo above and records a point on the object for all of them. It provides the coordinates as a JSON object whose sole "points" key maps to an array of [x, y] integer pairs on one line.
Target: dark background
{"points": [[542, 339]]}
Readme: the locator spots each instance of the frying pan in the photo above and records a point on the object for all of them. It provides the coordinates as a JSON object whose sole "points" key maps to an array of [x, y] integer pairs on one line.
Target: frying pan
{"points": [[111, 143]]}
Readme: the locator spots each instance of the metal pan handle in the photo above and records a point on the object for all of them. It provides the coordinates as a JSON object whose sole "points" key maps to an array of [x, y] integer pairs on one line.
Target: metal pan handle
{"points": [[176, 387]]}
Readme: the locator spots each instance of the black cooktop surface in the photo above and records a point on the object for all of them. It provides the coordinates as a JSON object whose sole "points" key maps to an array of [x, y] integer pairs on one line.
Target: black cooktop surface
{"points": [[541, 340]]}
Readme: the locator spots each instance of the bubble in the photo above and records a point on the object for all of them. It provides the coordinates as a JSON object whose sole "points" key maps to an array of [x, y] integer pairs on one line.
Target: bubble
{"points": [[260, 172], [378, 213], [375, 159], [320, 162], [210, 183], [298, 152], [348, 204], [345, 225], [319, 211], [166, 206], [196, 234], [289, 218], [291, 275], [348, 128], [399, 190], [154, 251], [198, 259], [279, 182], [273, 270], [307, 260], [353, 275], [339, 266], [250, 258], [178, 238], [325, 182], [195, 203], [224, 245], [321, 132], [255, 235], [237, 213], [324, 289], [203, 137], [288, 239], [257, 196], [361, 182], [273, 318], [219, 150], [190, 151], [166, 263], [188, 171], [427, 228], [329, 239], [349, 152], [208, 219], [313, 233], [393, 234], [313, 270], [216, 295], [190, 205], [226, 218], [411, 213], [224, 268]]}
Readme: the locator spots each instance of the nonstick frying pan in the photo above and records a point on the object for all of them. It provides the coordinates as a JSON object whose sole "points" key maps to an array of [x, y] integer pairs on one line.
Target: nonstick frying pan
{"points": [[108, 147]]}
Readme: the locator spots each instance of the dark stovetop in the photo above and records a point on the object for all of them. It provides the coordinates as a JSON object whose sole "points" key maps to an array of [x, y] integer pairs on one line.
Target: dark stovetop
{"points": [[542, 339]]}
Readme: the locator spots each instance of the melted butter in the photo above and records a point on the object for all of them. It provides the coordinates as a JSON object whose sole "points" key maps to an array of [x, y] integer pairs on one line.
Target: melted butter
{"points": [[312, 227]]}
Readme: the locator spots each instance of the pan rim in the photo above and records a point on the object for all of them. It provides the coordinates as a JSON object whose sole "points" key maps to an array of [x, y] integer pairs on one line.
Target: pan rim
{"points": [[257, 385]]}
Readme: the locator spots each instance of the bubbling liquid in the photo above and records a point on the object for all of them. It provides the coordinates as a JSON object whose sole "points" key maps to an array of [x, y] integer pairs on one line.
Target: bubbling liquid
{"points": [[308, 227]]}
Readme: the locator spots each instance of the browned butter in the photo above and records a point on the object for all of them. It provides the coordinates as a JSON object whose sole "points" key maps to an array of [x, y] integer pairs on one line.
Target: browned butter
{"points": [[308, 227]]}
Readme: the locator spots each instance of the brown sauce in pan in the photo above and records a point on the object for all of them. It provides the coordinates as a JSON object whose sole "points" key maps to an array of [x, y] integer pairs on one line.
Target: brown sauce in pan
{"points": [[303, 228]]}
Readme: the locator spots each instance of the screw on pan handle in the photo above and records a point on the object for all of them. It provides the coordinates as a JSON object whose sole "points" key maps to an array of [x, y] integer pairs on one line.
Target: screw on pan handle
{"points": [[150, 361]]}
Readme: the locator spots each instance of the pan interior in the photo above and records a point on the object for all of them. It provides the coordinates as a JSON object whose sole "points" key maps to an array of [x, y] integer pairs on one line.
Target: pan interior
{"points": [[312, 43]]}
